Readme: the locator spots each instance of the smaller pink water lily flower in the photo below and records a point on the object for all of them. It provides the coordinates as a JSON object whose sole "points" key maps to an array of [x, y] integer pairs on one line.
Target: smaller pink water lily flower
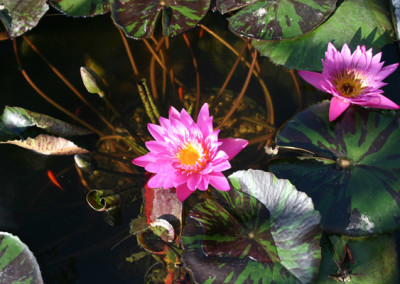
{"points": [[188, 155], [352, 79]]}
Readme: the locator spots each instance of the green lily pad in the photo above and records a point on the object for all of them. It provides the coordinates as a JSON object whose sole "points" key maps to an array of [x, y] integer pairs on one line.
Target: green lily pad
{"points": [[17, 263], [138, 17], [82, 8], [356, 22], [272, 20], [366, 260], [353, 175], [21, 16], [266, 232]]}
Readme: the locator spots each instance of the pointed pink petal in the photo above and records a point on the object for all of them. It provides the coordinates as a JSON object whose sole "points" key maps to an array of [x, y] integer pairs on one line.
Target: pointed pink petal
{"points": [[173, 112], [380, 101], [204, 121], [182, 192], [232, 146], [346, 55], [386, 71], [156, 131], [337, 107], [225, 165], [142, 161], [156, 146], [219, 181], [315, 79], [203, 185]]}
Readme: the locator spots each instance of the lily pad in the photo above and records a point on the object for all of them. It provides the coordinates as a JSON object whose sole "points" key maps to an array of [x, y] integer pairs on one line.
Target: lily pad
{"points": [[82, 8], [271, 235], [352, 169], [39, 132], [272, 20], [21, 16], [138, 17], [17, 263], [356, 22], [359, 260]]}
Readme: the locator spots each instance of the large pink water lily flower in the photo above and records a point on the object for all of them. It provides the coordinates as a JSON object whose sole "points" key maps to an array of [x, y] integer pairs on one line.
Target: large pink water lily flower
{"points": [[188, 155], [352, 79]]}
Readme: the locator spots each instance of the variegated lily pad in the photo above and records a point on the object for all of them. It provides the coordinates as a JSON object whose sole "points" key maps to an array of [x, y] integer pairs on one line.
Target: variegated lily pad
{"points": [[17, 263], [272, 20], [21, 16], [352, 169], [266, 232], [82, 8], [39, 132], [138, 17], [355, 22]]}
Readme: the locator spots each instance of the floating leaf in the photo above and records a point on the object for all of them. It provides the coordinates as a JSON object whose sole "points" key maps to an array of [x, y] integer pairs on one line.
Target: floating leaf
{"points": [[21, 16], [354, 175], [271, 235], [138, 17], [272, 20], [17, 263], [371, 260], [82, 8], [48, 145], [356, 22], [16, 120]]}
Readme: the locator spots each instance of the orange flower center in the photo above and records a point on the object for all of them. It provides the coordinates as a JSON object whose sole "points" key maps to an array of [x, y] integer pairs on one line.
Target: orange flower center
{"points": [[189, 155], [350, 83]]}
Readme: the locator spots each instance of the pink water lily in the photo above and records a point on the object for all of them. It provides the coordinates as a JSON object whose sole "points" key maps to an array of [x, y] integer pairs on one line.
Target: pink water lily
{"points": [[352, 79], [186, 155]]}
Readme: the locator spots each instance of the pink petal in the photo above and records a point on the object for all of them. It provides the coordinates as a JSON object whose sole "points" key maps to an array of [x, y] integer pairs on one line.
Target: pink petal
{"points": [[380, 101], [219, 181], [142, 161], [386, 71], [182, 192], [232, 146], [225, 165], [203, 185], [315, 79], [337, 107], [156, 181], [204, 121], [193, 181], [156, 146], [156, 131], [173, 113]]}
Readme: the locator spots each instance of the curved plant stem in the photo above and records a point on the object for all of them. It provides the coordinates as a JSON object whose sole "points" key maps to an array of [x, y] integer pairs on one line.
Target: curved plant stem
{"points": [[270, 106], [228, 78], [128, 51], [48, 99], [242, 92], [261, 138], [153, 52], [68, 84], [196, 68], [296, 83]]}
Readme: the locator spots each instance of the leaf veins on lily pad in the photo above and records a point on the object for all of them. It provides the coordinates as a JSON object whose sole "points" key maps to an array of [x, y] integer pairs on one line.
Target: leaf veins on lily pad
{"points": [[138, 17], [17, 262], [266, 232], [352, 172], [272, 20]]}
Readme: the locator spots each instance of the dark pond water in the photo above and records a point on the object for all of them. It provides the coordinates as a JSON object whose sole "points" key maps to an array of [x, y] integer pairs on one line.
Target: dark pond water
{"points": [[71, 241]]}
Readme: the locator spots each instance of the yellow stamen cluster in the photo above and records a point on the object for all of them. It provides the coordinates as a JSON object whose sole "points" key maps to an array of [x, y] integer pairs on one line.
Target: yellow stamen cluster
{"points": [[189, 155], [350, 83]]}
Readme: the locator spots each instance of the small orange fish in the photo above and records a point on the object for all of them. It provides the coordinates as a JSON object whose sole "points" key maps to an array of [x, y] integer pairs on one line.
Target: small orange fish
{"points": [[180, 92], [53, 179], [201, 32]]}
